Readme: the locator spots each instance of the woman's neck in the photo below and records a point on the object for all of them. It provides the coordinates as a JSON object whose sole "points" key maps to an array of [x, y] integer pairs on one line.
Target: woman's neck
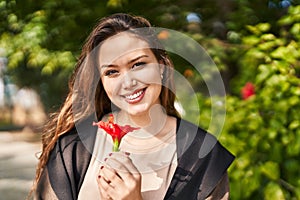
{"points": [[153, 121]]}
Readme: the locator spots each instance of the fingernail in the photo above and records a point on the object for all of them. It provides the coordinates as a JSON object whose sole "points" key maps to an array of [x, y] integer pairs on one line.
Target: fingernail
{"points": [[110, 154], [105, 159], [99, 176], [102, 167], [127, 153]]}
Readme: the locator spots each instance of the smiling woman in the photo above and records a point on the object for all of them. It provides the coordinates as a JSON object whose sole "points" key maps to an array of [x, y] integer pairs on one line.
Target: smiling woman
{"points": [[124, 71]]}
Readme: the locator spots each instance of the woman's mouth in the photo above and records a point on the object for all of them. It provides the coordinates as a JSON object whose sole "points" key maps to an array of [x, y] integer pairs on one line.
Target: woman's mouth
{"points": [[135, 97]]}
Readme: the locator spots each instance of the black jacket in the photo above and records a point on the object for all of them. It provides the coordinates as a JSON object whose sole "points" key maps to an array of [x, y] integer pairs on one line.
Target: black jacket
{"points": [[202, 163]]}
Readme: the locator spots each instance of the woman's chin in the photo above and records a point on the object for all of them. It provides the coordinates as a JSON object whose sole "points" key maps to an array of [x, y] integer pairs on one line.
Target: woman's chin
{"points": [[137, 109]]}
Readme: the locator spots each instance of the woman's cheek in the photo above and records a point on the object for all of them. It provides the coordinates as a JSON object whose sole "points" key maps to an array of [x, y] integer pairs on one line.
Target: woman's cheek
{"points": [[111, 85], [108, 87], [148, 75]]}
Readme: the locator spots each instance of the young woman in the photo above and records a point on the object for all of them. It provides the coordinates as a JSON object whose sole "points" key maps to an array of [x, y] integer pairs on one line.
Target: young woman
{"points": [[123, 70]]}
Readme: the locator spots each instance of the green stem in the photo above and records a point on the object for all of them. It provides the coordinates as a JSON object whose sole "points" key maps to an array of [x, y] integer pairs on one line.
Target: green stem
{"points": [[116, 146]]}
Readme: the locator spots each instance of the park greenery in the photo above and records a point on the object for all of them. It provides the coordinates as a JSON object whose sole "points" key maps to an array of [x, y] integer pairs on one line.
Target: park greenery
{"points": [[254, 42]]}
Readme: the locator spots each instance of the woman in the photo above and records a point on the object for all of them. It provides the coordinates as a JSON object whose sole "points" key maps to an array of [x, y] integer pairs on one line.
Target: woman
{"points": [[124, 71]]}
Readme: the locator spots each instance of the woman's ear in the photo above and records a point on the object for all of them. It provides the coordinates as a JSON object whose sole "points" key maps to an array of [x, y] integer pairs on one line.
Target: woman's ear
{"points": [[161, 67]]}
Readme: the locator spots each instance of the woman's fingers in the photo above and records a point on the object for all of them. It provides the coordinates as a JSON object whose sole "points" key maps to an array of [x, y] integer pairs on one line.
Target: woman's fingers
{"points": [[110, 184], [121, 162], [110, 175], [105, 187]]}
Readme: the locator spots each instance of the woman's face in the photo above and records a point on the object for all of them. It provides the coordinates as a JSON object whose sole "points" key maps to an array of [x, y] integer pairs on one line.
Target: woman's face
{"points": [[130, 73]]}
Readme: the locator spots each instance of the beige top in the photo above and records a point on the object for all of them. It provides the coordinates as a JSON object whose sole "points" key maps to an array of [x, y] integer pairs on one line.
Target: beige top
{"points": [[154, 157]]}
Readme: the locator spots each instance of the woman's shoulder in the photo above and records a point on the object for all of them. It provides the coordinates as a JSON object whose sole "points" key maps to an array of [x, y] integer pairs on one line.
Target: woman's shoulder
{"points": [[72, 146], [194, 139], [68, 138], [190, 132], [82, 133], [202, 160], [183, 124]]}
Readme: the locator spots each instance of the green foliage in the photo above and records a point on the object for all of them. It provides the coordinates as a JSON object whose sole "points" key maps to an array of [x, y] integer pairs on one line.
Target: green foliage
{"points": [[24, 45], [270, 119], [263, 131]]}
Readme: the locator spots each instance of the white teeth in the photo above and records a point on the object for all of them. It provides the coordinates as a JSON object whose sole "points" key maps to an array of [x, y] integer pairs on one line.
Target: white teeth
{"points": [[133, 96]]}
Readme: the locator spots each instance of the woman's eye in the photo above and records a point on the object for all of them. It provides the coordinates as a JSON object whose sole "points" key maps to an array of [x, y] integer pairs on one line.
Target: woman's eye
{"points": [[138, 64], [110, 72]]}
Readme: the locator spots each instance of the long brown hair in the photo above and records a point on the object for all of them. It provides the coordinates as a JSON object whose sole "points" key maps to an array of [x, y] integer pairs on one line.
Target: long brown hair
{"points": [[86, 93]]}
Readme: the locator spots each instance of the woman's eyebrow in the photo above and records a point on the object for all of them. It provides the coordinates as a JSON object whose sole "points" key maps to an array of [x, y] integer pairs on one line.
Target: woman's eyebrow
{"points": [[108, 65], [131, 61], [137, 58]]}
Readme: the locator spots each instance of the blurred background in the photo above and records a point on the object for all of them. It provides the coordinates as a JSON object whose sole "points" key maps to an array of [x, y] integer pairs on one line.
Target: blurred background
{"points": [[254, 43]]}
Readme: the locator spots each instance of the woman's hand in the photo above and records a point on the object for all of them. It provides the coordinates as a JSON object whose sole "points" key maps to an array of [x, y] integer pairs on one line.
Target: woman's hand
{"points": [[119, 179]]}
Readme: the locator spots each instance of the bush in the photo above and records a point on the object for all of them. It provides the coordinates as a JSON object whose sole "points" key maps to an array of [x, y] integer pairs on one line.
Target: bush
{"points": [[263, 131]]}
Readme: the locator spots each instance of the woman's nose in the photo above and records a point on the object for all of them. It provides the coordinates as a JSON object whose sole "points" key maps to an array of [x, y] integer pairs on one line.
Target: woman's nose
{"points": [[128, 81]]}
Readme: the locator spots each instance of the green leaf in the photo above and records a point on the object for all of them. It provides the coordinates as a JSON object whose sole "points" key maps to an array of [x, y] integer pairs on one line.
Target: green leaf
{"points": [[280, 53], [268, 37], [253, 29], [15, 59], [271, 170], [251, 40], [12, 18], [286, 20], [266, 46], [264, 27], [264, 72], [273, 191], [295, 30]]}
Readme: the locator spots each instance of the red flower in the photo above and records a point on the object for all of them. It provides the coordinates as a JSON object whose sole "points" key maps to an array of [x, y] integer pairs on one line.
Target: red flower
{"points": [[116, 131], [248, 90]]}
